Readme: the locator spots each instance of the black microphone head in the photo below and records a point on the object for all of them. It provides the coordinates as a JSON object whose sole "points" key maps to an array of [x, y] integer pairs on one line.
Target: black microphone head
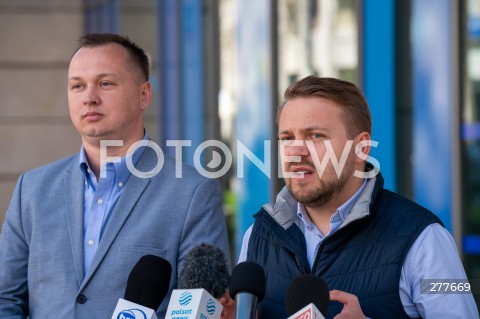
{"points": [[248, 277], [148, 282], [306, 289], [205, 267]]}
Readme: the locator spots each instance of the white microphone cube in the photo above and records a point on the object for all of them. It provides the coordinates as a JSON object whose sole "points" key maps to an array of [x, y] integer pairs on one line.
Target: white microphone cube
{"points": [[310, 311], [193, 304], [130, 310]]}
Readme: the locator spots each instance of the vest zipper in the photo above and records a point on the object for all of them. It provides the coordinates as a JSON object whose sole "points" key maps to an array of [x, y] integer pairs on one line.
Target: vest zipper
{"points": [[315, 262], [329, 238]]}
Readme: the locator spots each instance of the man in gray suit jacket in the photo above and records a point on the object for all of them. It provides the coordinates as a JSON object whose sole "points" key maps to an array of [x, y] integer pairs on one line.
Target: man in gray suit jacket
{"points": [[75, 228]]}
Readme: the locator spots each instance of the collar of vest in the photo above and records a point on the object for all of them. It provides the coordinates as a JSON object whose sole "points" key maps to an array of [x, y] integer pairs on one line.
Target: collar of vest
{"points": [[284, 210]]}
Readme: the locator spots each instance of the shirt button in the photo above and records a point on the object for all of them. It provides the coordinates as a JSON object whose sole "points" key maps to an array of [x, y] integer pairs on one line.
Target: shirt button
{"points": [[91, 242], [88, 170], [100, 201], [81, 299], [120, 184]]}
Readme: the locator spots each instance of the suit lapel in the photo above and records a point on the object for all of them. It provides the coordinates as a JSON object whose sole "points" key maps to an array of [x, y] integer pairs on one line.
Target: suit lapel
{"points": [[74, 189], [127, 201]]}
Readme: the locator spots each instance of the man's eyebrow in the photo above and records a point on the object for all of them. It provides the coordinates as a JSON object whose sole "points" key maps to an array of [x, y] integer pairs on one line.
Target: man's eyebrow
{"points": [[99, 76], [316, 128], [307, 129]]}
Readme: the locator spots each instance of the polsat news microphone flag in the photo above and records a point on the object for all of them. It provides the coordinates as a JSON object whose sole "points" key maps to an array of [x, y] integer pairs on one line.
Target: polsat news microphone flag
{"points": [[203, 279], [193, 304]]}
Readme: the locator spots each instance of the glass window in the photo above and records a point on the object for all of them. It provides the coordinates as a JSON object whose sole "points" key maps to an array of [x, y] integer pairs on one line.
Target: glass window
{"points": [[317, 37], [470, 125]]}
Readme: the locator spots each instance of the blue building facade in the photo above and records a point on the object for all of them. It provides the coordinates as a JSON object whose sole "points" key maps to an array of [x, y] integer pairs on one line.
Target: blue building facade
{"points": [[415, 60]]}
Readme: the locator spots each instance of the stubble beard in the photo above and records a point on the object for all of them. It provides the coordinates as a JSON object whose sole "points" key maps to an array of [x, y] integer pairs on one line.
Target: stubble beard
{"points": [[327, 188]]}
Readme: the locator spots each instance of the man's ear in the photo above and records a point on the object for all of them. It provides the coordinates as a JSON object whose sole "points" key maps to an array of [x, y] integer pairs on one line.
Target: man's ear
{"points": [[363, 139], [145, 95]]}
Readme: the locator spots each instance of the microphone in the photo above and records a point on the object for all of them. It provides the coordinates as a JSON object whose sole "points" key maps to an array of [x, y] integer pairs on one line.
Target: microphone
{"points": [[247, 286], [307, 296], [147, 286], [203, 279], [205, 267]]}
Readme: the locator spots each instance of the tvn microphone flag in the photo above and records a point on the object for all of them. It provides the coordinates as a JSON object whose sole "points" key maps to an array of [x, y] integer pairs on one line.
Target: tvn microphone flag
{"points": [[147, 286]]}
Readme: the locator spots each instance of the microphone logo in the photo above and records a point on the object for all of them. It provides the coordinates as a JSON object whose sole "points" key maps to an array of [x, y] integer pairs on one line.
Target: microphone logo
{"points": [[185, 298], [132, 314], [211, 306]]}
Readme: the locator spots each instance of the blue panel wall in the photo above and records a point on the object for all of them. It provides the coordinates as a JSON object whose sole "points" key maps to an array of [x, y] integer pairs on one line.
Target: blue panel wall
{"points": [[192, 76], [102, 17], [379, 81], [181, 74], [170, 35], [253, 121], [431, 40]]}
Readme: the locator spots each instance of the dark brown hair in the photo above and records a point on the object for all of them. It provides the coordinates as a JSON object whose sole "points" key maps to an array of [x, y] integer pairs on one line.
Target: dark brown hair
{"points": [[344, 93], [137, 54]]}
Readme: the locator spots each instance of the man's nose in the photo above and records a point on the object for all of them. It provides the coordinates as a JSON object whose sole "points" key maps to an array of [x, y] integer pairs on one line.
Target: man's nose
{"points": [[297, 148], [91, 97]]}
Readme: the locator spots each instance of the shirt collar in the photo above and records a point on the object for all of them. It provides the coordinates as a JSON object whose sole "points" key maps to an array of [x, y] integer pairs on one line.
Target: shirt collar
{"points": [[121, 170], [307, 222]]}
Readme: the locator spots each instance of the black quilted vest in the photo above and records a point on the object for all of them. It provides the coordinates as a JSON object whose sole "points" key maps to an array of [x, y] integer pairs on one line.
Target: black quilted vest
{"points": [[364, 257]]}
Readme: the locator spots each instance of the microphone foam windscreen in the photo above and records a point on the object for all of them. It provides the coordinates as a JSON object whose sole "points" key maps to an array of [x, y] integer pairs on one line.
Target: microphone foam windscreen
{"points": [[306, 289], [205, 267], [248, 277], [148, 282]]}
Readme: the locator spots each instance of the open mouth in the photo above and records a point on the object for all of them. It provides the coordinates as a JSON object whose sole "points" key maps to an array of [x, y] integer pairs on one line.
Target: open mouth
{"points": [[300, 171]]}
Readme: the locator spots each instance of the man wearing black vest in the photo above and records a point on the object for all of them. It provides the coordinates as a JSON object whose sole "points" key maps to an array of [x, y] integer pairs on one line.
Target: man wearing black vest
{"points": [[334, 219]]}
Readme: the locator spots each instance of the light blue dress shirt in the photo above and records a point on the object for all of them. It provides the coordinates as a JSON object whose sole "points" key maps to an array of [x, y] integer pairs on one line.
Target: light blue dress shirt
{"points": [[433, 255], [313, 236], [100, 198]]}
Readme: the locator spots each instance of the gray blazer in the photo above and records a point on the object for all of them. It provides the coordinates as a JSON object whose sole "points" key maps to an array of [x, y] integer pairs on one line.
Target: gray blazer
{"points": [[41, 242]]}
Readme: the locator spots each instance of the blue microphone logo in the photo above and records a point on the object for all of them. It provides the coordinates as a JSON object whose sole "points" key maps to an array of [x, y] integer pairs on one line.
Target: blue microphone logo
{"points": [[185, 298], [132, 314], [211, 306]]}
